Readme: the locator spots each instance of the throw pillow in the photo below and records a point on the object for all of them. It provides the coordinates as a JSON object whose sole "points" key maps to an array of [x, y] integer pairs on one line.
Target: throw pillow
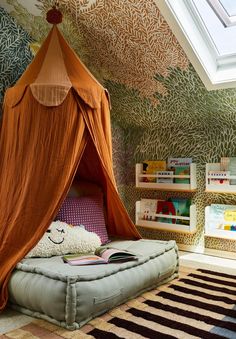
{"points": [[87, 211], [61, 238]]}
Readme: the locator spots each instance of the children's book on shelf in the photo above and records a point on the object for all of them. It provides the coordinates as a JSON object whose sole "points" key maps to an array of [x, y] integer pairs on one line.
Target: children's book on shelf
{"points": [[173, 206], [227, 227], [222, 217], [182, 208], [232, 169], [180, 166], [218, 177], [178, 162], [101, 256], [165, 179], [182, 170], [224, 164], [151, 167], [229, 164], [148, 209], [167, 208]]}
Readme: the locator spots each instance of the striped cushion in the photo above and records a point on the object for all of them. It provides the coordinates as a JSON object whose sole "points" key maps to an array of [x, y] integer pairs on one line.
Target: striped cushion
{"points": [[87, 211]]}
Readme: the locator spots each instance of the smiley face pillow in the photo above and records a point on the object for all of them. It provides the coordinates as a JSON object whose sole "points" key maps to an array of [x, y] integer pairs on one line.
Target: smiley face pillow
{"points": [[61, 238]]}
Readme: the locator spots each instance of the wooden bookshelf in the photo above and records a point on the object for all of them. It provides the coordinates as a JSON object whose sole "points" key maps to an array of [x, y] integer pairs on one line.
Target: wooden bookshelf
{"points": [[191, 228], [191, 187], [218, 188], [217, 233]]}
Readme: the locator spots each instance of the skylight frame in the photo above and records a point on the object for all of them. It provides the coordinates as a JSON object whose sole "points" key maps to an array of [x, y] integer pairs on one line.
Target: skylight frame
{"points": [[222, 13], [219, 35], [215, 71]]}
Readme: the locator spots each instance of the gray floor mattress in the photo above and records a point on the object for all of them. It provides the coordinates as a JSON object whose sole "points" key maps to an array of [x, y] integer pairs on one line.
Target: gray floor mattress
{"points": [[70, 296]]}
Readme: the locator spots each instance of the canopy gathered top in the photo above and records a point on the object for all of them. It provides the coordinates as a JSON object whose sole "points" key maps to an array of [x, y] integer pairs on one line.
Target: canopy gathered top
{"points": [[55, 126]]}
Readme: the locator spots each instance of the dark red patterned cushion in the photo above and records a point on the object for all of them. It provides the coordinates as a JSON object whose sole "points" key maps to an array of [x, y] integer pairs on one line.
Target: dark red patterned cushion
{"points": [[87, 211]]}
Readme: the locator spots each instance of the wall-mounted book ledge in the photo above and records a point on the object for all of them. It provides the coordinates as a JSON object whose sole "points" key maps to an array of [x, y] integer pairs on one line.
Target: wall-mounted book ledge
{"points": [[220, 224], [166, 181], [173, 223], [219, 181]]}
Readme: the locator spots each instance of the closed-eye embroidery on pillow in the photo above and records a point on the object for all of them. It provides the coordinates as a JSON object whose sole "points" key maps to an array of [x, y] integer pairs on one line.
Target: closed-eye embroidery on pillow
{"points": [[87, 211], [61, 238]]}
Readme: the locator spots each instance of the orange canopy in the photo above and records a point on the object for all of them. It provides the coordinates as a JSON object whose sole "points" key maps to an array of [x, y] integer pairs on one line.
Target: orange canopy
{"points": [[56, 124]]}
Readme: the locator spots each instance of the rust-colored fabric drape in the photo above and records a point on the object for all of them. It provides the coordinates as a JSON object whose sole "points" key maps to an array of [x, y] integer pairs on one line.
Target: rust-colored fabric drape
{"points": [[40, 150], [97, 165], [54, 126]]}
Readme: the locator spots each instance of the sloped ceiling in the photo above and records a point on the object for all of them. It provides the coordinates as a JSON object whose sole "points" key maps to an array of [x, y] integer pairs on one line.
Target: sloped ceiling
{"points": [[128, 42]]}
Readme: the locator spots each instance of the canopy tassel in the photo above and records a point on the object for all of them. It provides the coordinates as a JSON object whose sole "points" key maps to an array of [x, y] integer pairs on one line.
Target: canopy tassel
{"points": [[54, 15]]}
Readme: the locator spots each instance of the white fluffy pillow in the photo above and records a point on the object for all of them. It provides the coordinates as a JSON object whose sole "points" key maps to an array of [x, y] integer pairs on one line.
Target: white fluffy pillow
{"points": [[61, 238]]}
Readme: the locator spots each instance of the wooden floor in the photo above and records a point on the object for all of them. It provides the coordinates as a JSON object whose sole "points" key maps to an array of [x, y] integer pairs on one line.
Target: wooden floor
{"points": [[10, 319]]}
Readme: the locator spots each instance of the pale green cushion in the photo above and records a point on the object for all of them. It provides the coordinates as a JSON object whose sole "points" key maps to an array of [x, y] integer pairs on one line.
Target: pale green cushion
{"points": [[70, 296]]}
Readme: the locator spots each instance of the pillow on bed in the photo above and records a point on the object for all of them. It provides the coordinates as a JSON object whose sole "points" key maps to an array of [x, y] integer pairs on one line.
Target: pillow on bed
{"points": [[87, 211], [61, 238]]}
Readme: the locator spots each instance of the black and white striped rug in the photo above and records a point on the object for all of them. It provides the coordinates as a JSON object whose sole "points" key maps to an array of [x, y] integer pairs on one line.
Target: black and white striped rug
{"points": [[200, 304]]}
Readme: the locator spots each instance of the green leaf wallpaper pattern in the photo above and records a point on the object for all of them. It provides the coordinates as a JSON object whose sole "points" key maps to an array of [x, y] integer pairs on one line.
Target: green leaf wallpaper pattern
{"points": [[15, 54], [157, 110], [189, 122], [38, 28]]}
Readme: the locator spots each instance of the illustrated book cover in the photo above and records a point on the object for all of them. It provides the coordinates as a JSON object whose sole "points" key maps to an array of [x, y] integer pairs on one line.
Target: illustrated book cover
{"points": [[178, 162], [182, 170], [166, 177], [148, 209], [167, 208], [180, 166], [222, 217], [232, 169], [224, 164], [182, 208], [218, 177], [151, 167], [229, 164]]}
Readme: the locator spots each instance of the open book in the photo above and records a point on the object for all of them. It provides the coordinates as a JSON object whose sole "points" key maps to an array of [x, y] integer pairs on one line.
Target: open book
{"points": [[101, 256]]}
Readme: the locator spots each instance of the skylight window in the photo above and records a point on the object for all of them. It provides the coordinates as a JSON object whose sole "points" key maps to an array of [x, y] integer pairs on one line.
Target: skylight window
{"points": [[229, 6], [221, 35], [206, 29], [226, 11]]}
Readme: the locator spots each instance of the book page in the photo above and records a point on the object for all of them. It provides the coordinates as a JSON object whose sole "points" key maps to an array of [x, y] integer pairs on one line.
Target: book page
{"points": [[84, 260], [112, 254]]}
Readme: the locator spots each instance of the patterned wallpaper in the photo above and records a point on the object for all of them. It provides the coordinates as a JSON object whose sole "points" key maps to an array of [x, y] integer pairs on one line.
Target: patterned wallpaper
{"points": [[160, 107], [15, 54]]}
